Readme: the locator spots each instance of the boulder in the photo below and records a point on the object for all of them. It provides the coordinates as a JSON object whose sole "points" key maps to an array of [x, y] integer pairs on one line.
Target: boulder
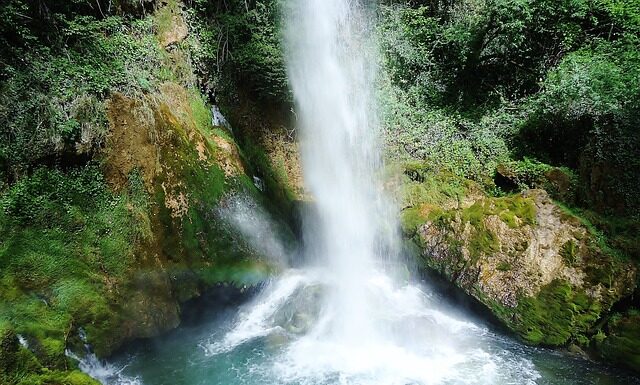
{"points": [[535, 265]]}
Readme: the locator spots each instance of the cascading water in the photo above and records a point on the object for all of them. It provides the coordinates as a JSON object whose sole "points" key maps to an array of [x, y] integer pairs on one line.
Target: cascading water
{"points": [[342, 319], [359, 327], [331, 71]]}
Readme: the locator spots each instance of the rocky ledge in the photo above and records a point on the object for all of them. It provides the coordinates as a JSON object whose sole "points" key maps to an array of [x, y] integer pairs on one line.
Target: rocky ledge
{"points": [[541, 270]]}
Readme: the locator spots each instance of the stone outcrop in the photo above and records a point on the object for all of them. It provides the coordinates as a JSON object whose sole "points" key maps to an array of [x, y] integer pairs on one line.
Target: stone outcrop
{"points": [[537, 267], [171, 25], [186, 167]]}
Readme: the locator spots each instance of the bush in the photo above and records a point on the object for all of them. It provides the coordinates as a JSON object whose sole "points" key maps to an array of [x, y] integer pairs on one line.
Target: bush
{"points": [[587, 116], [242, 42], [51, 101]]}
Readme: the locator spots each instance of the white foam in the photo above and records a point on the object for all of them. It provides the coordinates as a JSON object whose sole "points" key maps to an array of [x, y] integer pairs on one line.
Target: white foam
{"points": [[253, 321], [106, 373], [23, 341], [416, 343]]}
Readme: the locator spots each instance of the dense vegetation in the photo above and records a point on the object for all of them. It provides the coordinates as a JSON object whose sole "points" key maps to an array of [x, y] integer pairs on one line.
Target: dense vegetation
{"points": [[502, 94], [88, 230], [517, 94], [475, 83]]}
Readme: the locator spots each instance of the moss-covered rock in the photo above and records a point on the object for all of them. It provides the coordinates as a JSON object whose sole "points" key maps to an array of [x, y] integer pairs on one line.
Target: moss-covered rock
{"points": [[560, 182], [48, 377], [185, 167], [537, 267], [8, 347], [268, 138], [620, 342], [112, 245], [115, 248]]}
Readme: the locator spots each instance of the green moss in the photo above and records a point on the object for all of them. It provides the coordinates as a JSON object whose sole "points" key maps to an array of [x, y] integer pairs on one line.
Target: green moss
{"points": [[50, 351], [516, 206], [614, 236], [275, 179], [238, 273], [68, 243], [434, 188], [557, 314], [163, 17], [483, 242], [8, 347], [569, 251], [514, 210], [198, 238], [202, 186], [201, 112], [504, 266], [427, 186], [410, 219], [475, 214], [50, 377], [622, 343]]}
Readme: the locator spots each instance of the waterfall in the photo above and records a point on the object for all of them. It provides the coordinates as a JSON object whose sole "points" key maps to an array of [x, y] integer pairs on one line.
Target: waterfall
{"points": [[331, 67], [344, 319], [338, 314]]}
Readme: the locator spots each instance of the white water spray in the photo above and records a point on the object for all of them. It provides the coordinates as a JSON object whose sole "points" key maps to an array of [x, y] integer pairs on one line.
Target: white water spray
{"points": [[367, 328], [331, 69]]}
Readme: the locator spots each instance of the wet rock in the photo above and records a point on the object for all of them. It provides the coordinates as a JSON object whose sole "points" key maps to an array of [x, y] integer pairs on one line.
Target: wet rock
{"points": [[536, 266], [185, 169], [621, 343], [301, 310], [172, 28]]}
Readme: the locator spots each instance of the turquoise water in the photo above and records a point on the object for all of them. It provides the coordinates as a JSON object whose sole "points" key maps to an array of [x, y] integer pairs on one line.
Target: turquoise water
{"points": [[188, 356]]}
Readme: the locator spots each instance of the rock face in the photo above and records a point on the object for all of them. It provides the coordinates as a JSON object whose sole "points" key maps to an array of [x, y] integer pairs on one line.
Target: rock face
{"points": [[172, 28], [621, 343], [112, 252], [186, 167], [536, 266]]}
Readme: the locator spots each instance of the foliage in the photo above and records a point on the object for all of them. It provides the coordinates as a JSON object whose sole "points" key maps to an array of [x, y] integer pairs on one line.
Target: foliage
{"points": [[470, 49], [587, 116], [67, 244], [471, 85], [51, 101], [622, 339], [448, 141], [242, 42]]}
